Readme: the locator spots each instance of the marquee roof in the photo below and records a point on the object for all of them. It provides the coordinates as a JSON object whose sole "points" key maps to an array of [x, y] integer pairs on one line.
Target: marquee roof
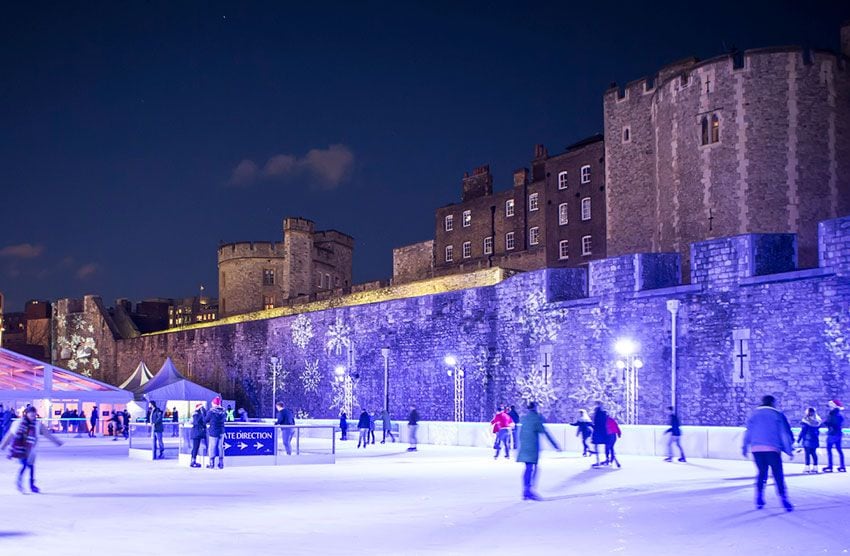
{"points": [[25, 378]]}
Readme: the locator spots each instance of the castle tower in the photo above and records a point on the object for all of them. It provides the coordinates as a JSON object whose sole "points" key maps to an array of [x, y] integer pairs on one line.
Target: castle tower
{"points": [[298, 256]]}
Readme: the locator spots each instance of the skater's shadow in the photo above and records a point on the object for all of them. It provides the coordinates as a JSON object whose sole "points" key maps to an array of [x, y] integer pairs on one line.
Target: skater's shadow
{"points": [[10, 534], [582, 477], [146, 495]]}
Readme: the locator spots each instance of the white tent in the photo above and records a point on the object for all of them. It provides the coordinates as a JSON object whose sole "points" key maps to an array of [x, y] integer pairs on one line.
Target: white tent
{"points": [[170, 385], [138, 379]]}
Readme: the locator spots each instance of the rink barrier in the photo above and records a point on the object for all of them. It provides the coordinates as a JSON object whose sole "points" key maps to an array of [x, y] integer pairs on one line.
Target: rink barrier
{"points": [[640, 440]]}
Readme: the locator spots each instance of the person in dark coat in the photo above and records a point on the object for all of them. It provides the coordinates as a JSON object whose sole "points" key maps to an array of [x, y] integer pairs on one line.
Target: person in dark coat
{"points": [[412, 426], [600, 430], [767, 436], [585, 430], [126, 424], [833, 425], [94, 418], [175, 418], [808, 439], [363, 425], [199, 433], [156, 431], [387, 424], [373, 420], [675, 433], [529, 448], [115, 421], [343, 426], [285, 417], [215, 418], [515, 431]]}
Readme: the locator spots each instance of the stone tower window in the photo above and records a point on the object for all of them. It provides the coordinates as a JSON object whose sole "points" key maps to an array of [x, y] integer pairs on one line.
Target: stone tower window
{"points": [[562, 180], [704, 131], [586, 245], [715, 128], [268, 277], [532, 202], [627, 134]]}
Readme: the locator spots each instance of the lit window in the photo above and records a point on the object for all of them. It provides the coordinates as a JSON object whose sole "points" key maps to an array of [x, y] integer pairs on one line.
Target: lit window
{"points": [[562, 180], [467, 218], [586, 245], [585, 174], [563, 215], [488, 245], [509, 241], [268, 302], [467, 249], [450, 253], [715, 128], [450, 222], [585, 208], [564, 249], [532, 202], [268, 277], [509, 208], [534, 236]]}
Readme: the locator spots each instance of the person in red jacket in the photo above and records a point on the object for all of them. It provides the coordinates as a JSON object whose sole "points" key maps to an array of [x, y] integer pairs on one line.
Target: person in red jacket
{"points": [[502, 424], [614, 433]]}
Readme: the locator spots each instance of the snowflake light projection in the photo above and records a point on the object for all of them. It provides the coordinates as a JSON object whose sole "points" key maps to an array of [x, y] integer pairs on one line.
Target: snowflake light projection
{"points": [[534, 388], [302, 414], [599, 384], [338, 337], [310, 377], [343, 394], [540, 326], [76, 345], [302, 331], [836, 342]]}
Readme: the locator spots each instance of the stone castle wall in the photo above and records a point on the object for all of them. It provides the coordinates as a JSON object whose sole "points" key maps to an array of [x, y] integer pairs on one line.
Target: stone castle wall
{"points": [[782, 162], [549, 335]]}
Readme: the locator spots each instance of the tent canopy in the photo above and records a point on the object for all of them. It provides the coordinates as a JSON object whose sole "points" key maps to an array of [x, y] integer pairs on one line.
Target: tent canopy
{"points": [[25, 378], [138, 379], [169, 384]]}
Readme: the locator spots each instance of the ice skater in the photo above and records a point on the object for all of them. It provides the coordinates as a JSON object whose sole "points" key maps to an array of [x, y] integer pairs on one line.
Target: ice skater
{"points": [[585, 430], [285, 417], [613, 430], [529, 449], [600, 430], [412, 425], [515, 431], [808, 438], [343, 426], [23, 436], [175, 419], [363, 425], [767, 436], [199, 433], [502, 424], [833, 424], [93, 420], [387, 423], [215, 418], [675, 433], [156, 431]]}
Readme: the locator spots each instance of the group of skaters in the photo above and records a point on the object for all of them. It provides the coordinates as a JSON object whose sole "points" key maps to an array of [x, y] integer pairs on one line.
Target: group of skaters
{"points": [[366, 427]]}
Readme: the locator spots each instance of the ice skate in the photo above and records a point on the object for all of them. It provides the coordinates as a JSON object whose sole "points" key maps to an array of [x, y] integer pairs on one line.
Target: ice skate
{"points": [[842, 469], [683, 460], [789, 507], [530, 496], [759, 502], [211, 464], [34, 489], [827, 469], [668, 459], [806, 469], [20, 484]]}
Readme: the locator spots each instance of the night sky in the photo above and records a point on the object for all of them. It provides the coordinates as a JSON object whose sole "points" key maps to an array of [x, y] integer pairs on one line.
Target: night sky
{"points": [[137, 135]]}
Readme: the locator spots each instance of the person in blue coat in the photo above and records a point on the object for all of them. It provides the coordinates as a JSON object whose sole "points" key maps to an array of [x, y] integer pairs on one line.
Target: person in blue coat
{"points": [[834, 422], [529, 448], [364, 424], [768, 434], [675, 432], [808, 438], [600, 430], [343, 426], [585, 430], [215, 418]]}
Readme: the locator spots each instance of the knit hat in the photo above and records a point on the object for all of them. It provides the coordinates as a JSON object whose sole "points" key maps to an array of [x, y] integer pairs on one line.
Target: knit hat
{"points": [[216, 400], [835, 404]]}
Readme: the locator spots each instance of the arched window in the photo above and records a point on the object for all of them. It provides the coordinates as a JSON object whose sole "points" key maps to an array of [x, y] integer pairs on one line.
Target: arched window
{"points": [[704, 131], [715, 128]]}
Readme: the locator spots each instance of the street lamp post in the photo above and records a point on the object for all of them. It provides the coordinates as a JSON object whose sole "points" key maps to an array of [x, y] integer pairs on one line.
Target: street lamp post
{"points": [[385, 352], [275, 365], [673, 307], [456, 373], [630, 364], [344, 380]]}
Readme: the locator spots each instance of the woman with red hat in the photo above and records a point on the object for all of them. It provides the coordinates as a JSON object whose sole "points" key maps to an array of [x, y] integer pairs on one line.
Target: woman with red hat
{"points": [[833, 425]]}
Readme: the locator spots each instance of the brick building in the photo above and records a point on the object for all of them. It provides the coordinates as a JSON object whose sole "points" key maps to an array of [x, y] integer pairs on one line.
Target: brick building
{"points": [[553, 216], [263, 274], [751, 142]]}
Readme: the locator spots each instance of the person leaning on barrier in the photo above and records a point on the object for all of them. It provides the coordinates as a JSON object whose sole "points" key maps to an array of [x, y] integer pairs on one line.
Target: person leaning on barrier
{"points": [[156, 431]]}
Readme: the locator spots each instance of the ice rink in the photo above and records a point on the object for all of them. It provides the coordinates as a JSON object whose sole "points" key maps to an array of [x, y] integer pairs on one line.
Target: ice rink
{"points": [[439, 500]]}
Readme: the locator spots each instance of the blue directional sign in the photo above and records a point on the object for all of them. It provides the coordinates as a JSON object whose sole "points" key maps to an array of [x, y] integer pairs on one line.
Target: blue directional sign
{"points": [[248, 441]]}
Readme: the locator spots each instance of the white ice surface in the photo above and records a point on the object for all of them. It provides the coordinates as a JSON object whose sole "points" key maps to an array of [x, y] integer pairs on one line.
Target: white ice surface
{"points": [[440, 500]]}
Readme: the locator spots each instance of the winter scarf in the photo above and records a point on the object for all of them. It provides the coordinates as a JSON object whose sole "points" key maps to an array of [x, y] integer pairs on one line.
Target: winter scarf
{"points": [[812, 421], [25, 439]]}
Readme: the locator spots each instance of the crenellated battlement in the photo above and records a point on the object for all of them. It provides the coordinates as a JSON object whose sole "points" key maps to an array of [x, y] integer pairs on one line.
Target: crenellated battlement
{"points": [[250, 249]]}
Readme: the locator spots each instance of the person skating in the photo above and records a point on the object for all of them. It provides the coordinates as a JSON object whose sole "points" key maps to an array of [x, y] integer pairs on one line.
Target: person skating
{"points": [[585, 430], [343, 426], [93, 420], [363, 425], [215, 418], [502, 424], [23, 436], [833, 424], [808, 438], [529, 449], [175, 418], [198, 434], [675, 433], [285, 417], [412, 426], [373, 419], [613, 430], [515, 431], [156, 431], [600, 430], [767, 436], [388, 426]]}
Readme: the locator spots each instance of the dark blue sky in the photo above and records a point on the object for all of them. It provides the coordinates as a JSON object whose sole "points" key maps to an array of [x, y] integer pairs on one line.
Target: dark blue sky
{"points": [[123, 122]]}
